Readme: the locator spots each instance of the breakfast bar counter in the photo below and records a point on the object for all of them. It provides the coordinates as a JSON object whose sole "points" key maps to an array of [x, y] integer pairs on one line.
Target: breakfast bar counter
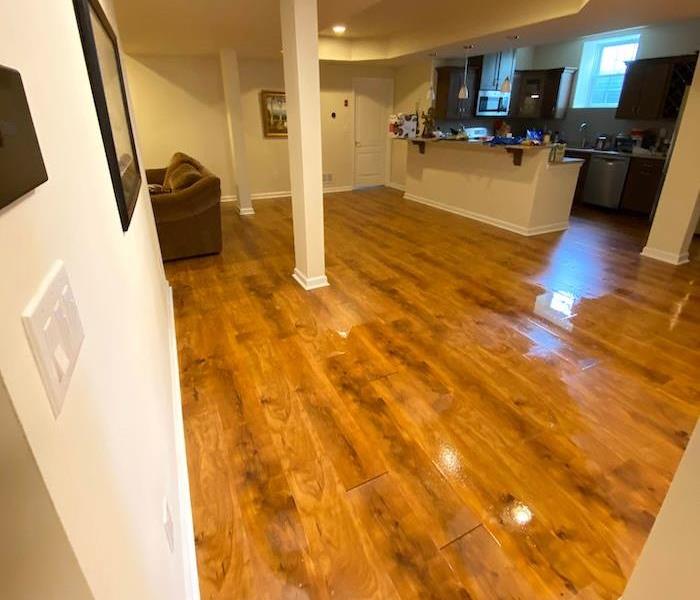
{"points": [[512, 187]]}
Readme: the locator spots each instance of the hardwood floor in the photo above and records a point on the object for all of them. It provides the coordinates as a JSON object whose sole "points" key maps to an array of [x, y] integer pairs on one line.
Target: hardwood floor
{"points": [[464, 413]]}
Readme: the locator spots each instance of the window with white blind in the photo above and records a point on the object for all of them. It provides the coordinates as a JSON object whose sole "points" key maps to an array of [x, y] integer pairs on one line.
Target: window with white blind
{"points": [[602, 70]]}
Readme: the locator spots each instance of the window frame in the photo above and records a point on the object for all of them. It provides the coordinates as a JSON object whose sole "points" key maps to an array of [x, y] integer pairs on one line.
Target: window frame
{"points": [[589, 66]]}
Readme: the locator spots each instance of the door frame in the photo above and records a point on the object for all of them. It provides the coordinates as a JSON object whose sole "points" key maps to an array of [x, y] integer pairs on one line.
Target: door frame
{"points": [[388, 146]]}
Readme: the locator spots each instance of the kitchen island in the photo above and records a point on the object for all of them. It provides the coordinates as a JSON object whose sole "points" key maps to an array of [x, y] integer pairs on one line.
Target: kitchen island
{"points": [[512, 187]]}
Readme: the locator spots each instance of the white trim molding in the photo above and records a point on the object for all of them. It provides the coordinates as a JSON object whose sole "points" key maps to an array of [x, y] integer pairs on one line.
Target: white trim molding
{"points": [[310, 283], [282, 194], [397, 186], [264, 195], [246, 211], [337, 188], [462, 212], [189, 555], [671, 258]]}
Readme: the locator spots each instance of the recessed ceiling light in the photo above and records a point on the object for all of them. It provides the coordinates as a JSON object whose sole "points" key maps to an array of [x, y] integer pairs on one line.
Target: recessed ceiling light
{"points": [[468, 47], [515, 36], [339, 29]]}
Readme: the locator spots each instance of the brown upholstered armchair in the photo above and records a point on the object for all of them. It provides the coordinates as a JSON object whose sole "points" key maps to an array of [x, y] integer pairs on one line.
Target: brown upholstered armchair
{"points": [[186, 200]]}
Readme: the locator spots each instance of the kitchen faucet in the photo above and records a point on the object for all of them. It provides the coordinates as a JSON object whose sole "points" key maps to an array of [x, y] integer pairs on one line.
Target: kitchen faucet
{"points": [[583, 128]]}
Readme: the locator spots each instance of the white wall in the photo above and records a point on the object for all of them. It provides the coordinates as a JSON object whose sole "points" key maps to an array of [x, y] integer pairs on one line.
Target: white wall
{"points": [[108, 461], [179, 107]]}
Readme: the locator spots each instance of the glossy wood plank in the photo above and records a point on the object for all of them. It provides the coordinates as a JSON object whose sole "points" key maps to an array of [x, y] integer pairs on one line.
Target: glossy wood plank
{"points": [[463, 413]]}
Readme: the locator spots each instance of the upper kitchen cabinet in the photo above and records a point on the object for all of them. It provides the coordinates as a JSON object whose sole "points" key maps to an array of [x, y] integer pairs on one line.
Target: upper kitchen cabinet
{"points": [[653, 88], [541, 94], [496, 67], [448, 105]]}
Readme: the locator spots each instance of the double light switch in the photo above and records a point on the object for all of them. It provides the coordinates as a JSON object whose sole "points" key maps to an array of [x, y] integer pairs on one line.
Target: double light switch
{"points": [[55, 333]]}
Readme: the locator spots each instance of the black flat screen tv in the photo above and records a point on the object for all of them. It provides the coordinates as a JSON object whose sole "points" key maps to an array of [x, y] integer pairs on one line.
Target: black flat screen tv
{"points": [[21, 164]]}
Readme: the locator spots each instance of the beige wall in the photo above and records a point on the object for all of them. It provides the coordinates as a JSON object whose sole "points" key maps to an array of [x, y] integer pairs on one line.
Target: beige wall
{"points": [[677, 214], [179, 103], [657, 40], [179, 107], [668, 565], [108, 461], [338, 134], [411, 86], [36, 558]]}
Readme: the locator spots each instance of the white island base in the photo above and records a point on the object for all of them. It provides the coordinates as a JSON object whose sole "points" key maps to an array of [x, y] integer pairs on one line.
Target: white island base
{"points": [[485, 183]]}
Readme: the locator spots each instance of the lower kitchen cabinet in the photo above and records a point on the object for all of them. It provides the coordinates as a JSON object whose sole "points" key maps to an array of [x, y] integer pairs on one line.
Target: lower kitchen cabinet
{"points": [[583, 172], [643, 180]]}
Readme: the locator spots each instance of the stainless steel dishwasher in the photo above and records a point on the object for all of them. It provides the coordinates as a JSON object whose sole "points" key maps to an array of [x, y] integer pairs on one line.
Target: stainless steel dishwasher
{"points": [[605, 180]]}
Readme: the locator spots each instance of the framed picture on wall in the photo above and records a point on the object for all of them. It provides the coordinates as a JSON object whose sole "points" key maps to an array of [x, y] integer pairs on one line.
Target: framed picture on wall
{"points": [[274, 113], [109, 93]]}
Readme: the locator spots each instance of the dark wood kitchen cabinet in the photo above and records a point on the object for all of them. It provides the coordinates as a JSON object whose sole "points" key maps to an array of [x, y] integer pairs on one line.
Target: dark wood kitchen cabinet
{"points": [[541, 94], [653, 88], [495, 68], [643, 180], [448, 105], [583, 171]]}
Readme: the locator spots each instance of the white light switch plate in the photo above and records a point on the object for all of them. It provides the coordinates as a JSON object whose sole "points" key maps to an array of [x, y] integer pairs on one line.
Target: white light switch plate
{"points": [[55, 333]]}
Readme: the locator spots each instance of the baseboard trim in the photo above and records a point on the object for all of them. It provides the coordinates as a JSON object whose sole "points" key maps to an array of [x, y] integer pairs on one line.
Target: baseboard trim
{"points": [[512, 227], [310, 283], [189, 555], [246, 211], [265, 195], [671, 258], [397, 186], [258, 196], [282, 194]]}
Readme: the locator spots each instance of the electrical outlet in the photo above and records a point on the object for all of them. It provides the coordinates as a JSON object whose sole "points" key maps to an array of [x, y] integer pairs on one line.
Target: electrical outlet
{"points": [[327, 177], [168, 525]]}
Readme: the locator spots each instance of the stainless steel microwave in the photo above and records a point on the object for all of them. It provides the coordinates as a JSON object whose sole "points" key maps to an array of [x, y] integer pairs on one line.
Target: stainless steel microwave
{"points": [[492, 103]]}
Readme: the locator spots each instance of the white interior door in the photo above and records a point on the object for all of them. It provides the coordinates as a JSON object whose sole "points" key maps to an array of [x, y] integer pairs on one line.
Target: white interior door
{"points": [[373, 101]]}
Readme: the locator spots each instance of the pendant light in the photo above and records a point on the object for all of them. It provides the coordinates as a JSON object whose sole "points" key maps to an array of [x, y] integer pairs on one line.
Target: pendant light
{"points": [[464, 91]]}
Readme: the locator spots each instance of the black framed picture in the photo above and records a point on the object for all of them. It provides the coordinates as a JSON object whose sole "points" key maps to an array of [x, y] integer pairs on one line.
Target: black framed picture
{"points": [[107, 82]]}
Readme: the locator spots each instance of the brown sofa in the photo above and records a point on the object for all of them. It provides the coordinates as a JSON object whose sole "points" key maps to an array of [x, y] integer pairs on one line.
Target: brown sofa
{"points": [[186, 200]]}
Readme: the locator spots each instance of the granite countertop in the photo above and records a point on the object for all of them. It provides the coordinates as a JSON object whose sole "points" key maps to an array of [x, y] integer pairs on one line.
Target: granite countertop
{"points": [[652, 155]]}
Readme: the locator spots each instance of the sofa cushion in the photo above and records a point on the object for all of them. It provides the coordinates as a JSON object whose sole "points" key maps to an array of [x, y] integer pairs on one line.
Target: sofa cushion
{"points": [[183, 176], [177, 159]]}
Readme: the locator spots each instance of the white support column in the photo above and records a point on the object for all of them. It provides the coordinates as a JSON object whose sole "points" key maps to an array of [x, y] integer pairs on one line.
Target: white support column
{"points": [[236, 137], [302, 85], [679, 204]]}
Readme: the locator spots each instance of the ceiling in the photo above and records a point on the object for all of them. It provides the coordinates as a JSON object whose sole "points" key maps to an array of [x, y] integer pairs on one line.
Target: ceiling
{"points": [[252, 27], [390, 31]]}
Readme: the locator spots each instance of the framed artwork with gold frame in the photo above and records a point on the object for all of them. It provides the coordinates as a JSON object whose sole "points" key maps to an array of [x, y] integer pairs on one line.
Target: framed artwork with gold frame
{"points": [[274, 114]]}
